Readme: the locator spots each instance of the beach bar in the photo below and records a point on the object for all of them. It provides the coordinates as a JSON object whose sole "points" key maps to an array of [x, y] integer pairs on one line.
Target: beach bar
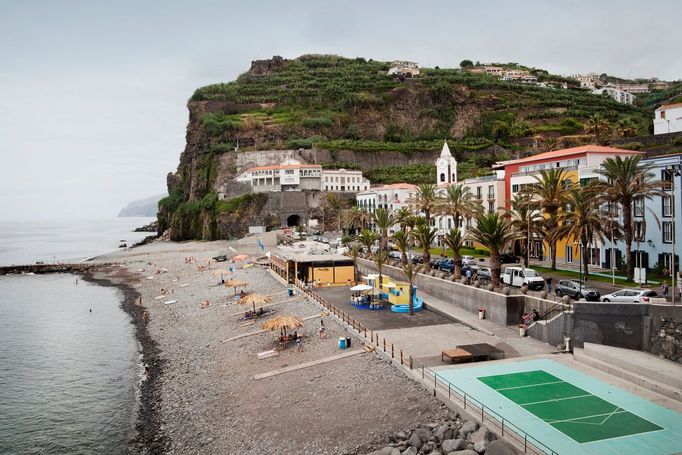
{"points": [[323, 269]]}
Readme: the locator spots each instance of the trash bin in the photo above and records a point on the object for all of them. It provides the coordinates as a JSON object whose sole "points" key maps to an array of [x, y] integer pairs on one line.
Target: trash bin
{"points": [[481, 313], [342, 343], [290, 291], [348, 342], [522, 330]]}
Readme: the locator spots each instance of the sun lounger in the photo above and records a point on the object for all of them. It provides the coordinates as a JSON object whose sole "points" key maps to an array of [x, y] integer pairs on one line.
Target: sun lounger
{"points": [[266, 354]]}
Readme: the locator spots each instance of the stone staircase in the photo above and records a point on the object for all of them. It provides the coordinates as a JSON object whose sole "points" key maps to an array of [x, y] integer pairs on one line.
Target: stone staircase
{"points": [[640, 368]]}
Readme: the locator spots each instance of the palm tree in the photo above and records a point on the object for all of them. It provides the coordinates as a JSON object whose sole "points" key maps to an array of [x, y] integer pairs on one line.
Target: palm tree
{"points": [[599, 127], [525, 219], [410, 273], [380, 259], [585, 221], [425, 200], [550, 192], [367, 238], [402, 216], [383, 220], [626, 181], [626, 127], [454, 240], [403, 241], [458, 201], [358, 218], [425, 235], [495, 233]]}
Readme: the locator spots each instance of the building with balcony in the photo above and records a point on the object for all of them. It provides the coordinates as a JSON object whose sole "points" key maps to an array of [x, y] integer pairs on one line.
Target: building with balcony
{"points": [[668, 119], [620, 96], [581, 165]]}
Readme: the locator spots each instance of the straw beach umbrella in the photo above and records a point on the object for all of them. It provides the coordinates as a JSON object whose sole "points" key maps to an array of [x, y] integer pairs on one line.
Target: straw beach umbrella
{"points": [[254, 299], [282, 324], [236, 284]]}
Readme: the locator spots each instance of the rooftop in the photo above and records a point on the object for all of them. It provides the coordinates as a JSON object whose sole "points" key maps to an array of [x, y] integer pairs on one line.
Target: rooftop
{"points": [[285, 166], [574, 151], [670, 106], [308, 258]]}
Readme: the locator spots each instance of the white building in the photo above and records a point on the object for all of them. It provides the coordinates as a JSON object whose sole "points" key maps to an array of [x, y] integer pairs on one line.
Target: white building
{"points": [[344, 181], [589, 80], [392, 197], [619, 95], [668, 119], [446, 167], [404, 68], [633, 88]]}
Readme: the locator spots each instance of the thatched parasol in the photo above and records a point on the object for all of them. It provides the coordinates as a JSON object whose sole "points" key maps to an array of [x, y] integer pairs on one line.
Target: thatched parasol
{"points": [[283, 323], [235, 284], [254, 299]]}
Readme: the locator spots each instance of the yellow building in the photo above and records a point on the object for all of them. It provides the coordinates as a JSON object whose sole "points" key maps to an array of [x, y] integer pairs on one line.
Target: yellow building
{"points": [[323, 269], [396, 292]]}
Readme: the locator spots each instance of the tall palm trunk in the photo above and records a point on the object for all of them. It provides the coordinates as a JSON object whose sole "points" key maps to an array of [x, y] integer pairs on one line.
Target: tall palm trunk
{"points": [[457, 258], [495, 267], [627, 235]]}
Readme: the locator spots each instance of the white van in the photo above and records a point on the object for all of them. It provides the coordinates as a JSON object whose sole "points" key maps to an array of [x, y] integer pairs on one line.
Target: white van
{"points": [[518, 276]]}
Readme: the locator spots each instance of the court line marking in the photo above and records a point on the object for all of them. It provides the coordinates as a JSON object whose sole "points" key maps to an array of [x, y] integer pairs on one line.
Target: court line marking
{"points": [[529, 385], [552, 422], [555, 399]]}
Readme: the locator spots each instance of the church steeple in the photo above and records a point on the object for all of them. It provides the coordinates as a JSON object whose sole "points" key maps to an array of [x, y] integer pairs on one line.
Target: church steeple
{"points": [[446, 167]]}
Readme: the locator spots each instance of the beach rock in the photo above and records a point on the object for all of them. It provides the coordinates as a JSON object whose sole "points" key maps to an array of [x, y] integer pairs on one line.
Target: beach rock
{"points": [[482, 434], [401, 436], [451, 445], [384, 451], [415, 441], [501, 447], [463, 452], [410, 451], [468, 427], [423, 434], [443, 432]]}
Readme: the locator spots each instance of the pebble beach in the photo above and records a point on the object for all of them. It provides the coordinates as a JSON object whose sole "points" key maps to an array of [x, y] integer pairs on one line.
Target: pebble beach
{"points": [[201, 395]]}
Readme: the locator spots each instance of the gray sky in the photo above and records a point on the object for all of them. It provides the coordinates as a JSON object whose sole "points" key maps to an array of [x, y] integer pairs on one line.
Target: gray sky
{"points": [[93, 93]]}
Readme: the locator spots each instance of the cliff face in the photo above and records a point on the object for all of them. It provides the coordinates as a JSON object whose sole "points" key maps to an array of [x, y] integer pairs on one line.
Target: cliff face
{"points": [[348, 113]]}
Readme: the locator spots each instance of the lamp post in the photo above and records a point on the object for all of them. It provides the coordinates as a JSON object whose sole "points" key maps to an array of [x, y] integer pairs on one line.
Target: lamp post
{"points": [[580, 270]]}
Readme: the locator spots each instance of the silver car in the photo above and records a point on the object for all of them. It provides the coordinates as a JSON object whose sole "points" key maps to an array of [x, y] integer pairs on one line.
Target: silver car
{"points": [[630, 296], [468, 260]]}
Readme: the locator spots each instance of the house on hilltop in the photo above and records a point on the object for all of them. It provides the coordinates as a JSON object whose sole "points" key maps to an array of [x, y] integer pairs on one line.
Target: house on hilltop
{"points": [[403, 68], [668, 119]]}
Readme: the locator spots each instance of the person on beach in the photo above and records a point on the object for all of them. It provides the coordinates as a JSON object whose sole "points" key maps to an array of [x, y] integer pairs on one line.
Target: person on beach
{"points": [[299, 344], [322, 330], [147, 372], [536, 315]]}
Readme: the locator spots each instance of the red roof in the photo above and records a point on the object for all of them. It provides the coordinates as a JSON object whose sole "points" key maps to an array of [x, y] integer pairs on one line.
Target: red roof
{"points": [[574, 151], [669, 106]]}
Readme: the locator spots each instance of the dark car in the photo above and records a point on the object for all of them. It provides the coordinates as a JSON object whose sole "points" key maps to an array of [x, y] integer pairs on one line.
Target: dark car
{"points": [[418, 259], [576, 289], [507, 258], [484, 274], [447, 265]]}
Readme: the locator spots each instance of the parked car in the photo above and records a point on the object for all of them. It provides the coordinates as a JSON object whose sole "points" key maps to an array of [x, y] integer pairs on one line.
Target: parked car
{"points": [[518, 276], [466, 268], [577, 289], [324, 240], [394, 254], [484, 274], [447, 265], [507, 258], [630, 296], [468, 260], [417, 259]]}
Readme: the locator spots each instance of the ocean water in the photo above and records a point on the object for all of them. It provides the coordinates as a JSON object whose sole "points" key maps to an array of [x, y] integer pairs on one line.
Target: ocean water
{"points": [[68, 376], [26, 242]]}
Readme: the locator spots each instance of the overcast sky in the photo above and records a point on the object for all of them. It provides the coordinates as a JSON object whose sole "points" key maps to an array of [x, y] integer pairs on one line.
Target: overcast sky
{"points": [[93, 93]]}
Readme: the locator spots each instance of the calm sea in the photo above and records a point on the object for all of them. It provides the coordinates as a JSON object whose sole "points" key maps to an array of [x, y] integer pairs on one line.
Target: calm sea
{"points": [[69, 376]]}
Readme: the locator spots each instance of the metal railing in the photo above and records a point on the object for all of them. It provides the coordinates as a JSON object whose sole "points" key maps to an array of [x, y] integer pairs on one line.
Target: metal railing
{"points": [[529, 443]]}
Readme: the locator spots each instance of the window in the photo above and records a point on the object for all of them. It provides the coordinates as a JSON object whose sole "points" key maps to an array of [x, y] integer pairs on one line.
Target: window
{"points": [[491, 206], [469, 223], [639, 206], [289, 172], [640, 231], [491, 191], [667, 206], [667, 232], [478, 192], [442, 177], [515, 188], [569, 254]]}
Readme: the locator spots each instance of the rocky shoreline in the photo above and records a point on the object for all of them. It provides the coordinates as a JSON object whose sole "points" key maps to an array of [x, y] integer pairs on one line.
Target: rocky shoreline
{"points": [[149, 438]]}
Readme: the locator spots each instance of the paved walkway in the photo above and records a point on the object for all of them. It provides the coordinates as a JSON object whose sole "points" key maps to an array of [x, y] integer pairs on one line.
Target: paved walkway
{"points": [[312, 363]]}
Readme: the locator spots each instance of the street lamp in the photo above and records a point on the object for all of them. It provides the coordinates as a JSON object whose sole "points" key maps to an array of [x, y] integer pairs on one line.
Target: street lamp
{"points": [[674, 170], [580, 270]]}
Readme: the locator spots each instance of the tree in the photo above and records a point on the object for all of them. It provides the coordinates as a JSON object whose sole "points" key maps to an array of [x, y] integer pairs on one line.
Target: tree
{"points": [[454, 240], [626, 181], [458, 201], [367, 238], [584, 222], [357, 218], [599, 127], [410, 273], [525, 219], [425, 235], [425, 200], [380, 259], [383, 220], [402, 216], [550, 192], [403, 241], [466, 64], [626, 127], [495, 233]]}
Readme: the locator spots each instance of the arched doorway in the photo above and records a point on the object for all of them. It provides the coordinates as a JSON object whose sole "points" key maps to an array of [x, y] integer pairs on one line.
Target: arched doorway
{"points": [[293, 220]]}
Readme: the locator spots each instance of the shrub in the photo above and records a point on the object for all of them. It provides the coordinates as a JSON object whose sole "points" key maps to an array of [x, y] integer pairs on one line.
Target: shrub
{"points": [[316, 122]]}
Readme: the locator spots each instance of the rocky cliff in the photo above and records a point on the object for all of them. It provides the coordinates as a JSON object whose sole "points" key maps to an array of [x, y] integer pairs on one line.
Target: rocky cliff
{"points": [[348, 112], [142, 207]]}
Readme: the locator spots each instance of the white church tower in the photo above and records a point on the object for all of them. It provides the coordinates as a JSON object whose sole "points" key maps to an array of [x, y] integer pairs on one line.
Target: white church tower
{"points": [[446, 167]]}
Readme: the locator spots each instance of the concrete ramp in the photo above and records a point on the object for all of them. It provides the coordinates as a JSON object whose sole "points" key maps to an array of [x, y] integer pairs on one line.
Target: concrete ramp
{"points": [[640, 368]]}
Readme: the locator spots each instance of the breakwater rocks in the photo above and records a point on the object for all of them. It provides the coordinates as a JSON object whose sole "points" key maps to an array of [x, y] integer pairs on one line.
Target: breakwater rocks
{"points": [[49, 268], [452, 436]]}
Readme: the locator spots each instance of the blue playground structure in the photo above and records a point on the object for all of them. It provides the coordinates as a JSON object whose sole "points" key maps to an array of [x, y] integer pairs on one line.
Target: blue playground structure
{"points": [[418, 305]]}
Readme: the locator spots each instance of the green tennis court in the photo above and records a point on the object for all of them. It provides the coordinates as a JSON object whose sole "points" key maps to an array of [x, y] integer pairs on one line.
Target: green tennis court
{"points": [[575, 412]]}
